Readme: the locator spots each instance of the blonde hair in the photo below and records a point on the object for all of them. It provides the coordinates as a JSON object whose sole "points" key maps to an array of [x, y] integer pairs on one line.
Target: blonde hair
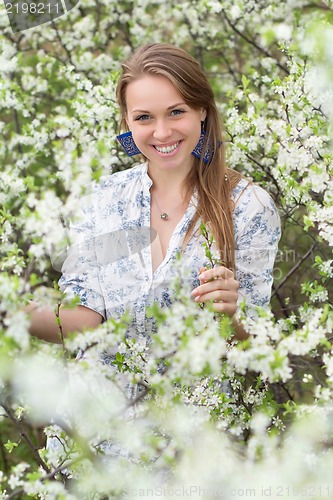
{"points": [[212, 180]]}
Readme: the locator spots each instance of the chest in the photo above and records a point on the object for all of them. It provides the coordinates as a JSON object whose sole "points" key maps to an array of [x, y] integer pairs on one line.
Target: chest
{"points": [[160, 235]]}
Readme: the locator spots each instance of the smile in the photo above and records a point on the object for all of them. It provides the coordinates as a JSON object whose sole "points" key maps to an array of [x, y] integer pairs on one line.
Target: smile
{"points": [[167, 149]]}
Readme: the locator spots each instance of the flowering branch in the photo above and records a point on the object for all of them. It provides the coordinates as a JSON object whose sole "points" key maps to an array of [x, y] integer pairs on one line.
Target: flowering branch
{"points": [[25, 436]]}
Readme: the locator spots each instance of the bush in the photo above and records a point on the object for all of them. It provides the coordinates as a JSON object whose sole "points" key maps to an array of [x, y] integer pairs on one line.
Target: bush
{"points": [[210, 416]]}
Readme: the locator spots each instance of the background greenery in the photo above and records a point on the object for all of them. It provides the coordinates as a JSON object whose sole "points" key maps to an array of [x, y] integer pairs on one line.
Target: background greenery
{"points": [[270, 66]]}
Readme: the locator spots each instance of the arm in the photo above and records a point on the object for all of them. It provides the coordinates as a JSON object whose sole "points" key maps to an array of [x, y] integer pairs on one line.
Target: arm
{"points": [[257, 233], [43, 323], [80, 278], [240, 332]]}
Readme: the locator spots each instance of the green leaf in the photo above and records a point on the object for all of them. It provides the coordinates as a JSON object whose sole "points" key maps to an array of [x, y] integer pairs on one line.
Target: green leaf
{"points": [[119, 357], [245, 82], [10, 446]]}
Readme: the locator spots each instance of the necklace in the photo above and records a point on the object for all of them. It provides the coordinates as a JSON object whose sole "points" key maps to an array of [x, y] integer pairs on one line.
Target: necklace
{"points": [[164, 216]]}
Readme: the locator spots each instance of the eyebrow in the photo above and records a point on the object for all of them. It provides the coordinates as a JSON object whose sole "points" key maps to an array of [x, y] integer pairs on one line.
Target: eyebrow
{"points": [[170, 107]]}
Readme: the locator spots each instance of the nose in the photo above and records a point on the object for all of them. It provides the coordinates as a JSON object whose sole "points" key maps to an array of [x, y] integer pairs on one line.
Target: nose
{"points": [[162, 130]]}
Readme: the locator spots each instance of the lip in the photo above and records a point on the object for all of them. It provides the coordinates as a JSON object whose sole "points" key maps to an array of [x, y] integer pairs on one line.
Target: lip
{"points": [[168, 144]]}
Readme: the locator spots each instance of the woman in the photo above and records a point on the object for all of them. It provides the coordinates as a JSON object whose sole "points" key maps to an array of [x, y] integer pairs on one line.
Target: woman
{"points": [[136, 221]]}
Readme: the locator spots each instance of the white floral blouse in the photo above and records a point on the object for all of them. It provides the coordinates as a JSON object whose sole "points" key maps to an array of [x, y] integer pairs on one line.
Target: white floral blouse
{"points": [[109, 264]]}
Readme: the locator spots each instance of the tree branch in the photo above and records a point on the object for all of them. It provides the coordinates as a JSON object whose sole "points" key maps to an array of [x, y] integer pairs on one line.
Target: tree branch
{"points": [[47, 476], [254, 44], [25, 436], [294, 269]]}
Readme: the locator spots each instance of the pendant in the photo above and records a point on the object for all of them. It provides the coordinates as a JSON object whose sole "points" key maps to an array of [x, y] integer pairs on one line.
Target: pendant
{"points": [[164, 216]]}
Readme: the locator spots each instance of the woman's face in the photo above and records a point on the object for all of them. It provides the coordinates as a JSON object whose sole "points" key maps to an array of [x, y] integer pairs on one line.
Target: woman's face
{"points": [[164, 127]]}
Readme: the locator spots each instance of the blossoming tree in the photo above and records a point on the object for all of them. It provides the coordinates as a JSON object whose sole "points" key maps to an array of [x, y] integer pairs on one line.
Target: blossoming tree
{"points": [[211, 416]]}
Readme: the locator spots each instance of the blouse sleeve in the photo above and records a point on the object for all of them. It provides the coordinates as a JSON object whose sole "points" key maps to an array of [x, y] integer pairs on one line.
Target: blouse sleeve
{"points": [[80, 270], [257, 232]]}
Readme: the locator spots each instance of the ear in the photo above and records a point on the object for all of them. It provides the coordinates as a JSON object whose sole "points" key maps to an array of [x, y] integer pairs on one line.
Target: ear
{"points": [[203, 114], [124, 123]]}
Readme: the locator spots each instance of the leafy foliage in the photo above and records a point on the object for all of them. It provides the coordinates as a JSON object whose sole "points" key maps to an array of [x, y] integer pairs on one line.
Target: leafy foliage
{"points": [[194, 408]]}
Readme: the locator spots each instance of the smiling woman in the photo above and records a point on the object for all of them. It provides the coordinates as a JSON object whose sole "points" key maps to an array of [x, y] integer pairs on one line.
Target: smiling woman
{"points": [[164, 127], [146, 215]]}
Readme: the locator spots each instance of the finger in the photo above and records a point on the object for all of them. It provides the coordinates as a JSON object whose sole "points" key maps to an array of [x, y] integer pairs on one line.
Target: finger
{"points": [[202, 270], [226, 296], [229, 285], [216, 272], [223, 307]]}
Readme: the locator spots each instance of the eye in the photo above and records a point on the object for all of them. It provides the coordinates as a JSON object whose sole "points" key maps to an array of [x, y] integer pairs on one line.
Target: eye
{"points": [[142, 118], [177, 112]]}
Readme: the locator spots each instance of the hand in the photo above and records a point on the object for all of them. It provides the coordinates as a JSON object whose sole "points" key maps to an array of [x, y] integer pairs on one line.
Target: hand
{"points": [[218, 285]]}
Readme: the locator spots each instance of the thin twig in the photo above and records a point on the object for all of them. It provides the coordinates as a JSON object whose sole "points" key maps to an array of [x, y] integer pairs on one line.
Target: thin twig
{"points": [[268, 173], [49, 475], [294, 269], [318, 7], [25, 436], [281, 301], [254, 44], [67, 52], [3, 457], [61, 332]]}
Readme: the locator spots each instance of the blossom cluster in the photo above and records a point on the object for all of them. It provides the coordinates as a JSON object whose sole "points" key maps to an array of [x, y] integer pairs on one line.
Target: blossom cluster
{"points": [[192, 407]]}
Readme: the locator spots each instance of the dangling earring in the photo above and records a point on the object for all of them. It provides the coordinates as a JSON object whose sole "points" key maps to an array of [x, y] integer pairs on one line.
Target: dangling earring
{"points": [[198, 148], [197, 151], [127, 142]]}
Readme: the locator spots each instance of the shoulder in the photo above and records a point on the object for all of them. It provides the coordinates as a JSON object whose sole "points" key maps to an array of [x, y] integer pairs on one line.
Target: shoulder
{"points": [[112, 190], [251, 198], [255, 212], [121, 179]]}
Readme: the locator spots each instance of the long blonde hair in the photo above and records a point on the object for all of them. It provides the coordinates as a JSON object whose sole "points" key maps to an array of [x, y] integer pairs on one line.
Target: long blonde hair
{"points": [[212, 180]]}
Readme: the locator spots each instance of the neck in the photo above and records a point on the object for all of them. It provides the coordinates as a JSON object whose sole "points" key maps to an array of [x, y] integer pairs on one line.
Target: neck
{"points": [[168, 183]]}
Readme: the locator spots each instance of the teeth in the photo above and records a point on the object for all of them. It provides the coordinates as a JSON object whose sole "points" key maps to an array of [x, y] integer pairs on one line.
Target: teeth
{"points": [[168, 149]]}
